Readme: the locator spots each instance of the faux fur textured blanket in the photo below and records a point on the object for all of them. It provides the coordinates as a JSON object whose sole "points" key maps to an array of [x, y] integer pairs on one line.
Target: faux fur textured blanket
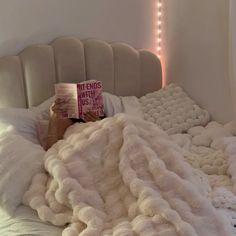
{"points": [[122, 176]]}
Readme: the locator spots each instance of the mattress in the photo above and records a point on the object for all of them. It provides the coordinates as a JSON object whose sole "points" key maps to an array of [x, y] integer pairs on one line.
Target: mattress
{"points": [[26, 222]]}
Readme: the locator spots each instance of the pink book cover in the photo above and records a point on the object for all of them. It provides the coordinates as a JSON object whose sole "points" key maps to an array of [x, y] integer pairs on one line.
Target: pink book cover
{"points": [[81, 98]]}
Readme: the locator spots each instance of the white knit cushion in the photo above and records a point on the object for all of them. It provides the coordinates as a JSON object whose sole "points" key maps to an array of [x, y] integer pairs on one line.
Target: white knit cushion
{"points": [[173, 110]]}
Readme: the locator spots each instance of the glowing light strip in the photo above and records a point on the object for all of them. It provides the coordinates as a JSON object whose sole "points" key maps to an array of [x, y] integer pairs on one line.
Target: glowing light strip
{"points": [[158, 27]]}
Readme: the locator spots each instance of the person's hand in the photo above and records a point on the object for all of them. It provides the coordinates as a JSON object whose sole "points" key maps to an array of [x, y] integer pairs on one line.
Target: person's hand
{"points": [[59, 107], [57, 120], [91, 117], [57, 123]]}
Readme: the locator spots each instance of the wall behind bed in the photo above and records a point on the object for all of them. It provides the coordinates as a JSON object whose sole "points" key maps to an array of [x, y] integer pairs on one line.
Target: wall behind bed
{"points": [[232, 50], [25, 22], [196, 37], [197, 52]]}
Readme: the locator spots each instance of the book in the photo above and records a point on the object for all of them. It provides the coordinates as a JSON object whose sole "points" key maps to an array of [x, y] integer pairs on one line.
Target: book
{"points": [[81, 98]]}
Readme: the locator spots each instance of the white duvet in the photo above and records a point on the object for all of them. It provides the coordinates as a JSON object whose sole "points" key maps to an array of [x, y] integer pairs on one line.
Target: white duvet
{"points": [[20, 159], [25, 221], [122, 176]]}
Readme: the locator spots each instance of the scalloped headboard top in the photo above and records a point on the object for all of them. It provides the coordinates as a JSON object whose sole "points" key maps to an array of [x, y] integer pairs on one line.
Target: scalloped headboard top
{"points": [[28, 79]]}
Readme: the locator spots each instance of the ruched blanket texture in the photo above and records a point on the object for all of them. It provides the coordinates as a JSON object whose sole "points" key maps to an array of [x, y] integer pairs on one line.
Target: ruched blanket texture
{"points": [[122, 176]]}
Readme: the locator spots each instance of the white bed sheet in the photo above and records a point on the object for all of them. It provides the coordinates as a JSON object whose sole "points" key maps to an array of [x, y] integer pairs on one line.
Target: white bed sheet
{"points": [[26, 222]]}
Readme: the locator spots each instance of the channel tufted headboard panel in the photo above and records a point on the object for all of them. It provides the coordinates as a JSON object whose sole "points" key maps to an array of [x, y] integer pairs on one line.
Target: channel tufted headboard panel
{"points": [[28, 79]]}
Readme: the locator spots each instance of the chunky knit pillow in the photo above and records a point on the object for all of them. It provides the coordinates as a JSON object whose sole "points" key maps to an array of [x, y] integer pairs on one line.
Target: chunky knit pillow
{"points": [[172, 110]]}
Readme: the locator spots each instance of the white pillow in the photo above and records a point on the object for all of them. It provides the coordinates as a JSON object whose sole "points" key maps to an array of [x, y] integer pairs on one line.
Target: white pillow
{"points": [[173, 110], [112, 104], [43, 108], [20, 160], [21, 120]]}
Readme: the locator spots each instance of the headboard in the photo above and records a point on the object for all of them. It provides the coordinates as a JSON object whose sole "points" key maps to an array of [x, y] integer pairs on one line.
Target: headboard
{"points": [[28, 79]]}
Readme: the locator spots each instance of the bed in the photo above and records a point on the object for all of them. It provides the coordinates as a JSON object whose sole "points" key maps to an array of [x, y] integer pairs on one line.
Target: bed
{"points": [[32, 74], [27, 80]]}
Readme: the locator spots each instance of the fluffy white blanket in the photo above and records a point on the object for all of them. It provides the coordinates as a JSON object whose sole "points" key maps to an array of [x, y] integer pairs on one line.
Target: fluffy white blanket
{"points": [[122, 176]]}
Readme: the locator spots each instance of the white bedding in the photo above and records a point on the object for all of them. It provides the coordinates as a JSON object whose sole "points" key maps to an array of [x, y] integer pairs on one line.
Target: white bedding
{"points": [[133, 180], [209, 149], [213, 154], [172, 110], [26, 222], [20, 159]]}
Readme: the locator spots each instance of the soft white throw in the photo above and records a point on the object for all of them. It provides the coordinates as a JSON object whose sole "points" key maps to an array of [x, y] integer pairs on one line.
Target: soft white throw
{"points": [[122, 176]]}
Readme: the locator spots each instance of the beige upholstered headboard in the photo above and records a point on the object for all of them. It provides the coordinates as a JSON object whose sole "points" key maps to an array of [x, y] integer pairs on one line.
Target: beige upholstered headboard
{"points": [[28, 79]]}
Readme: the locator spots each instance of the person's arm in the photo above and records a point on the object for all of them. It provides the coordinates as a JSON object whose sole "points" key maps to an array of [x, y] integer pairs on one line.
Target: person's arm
{"points": [[57, 125], [56, 129]]}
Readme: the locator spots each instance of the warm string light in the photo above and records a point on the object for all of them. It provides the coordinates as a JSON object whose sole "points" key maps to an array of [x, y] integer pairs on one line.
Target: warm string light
{"points": [[158, 27]]}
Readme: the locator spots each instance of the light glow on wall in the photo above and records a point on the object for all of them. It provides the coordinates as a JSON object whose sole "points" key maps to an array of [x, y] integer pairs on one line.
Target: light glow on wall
{"points": [[158, 33], [158, 27]]}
